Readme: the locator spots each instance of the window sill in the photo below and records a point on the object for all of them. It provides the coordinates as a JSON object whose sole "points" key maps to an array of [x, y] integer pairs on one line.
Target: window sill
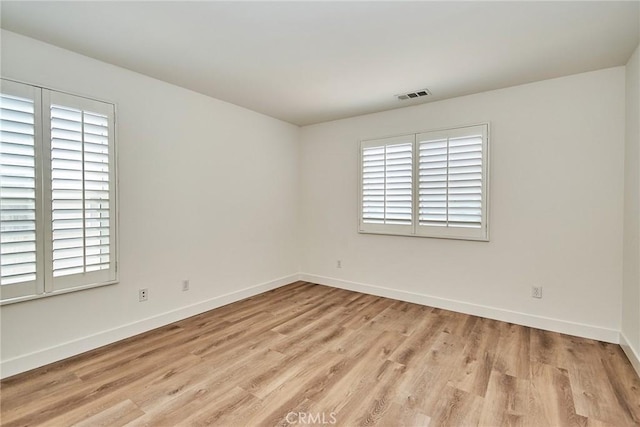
{"points": [[55, 293]]}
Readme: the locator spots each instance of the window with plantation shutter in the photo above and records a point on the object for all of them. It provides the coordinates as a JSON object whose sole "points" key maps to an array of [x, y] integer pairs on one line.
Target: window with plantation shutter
{"points": [[20, 205], [81, 191], [58, 198], [444, 185]]}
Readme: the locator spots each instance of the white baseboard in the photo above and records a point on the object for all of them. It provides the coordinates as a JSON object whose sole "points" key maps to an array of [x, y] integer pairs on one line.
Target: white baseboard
{"points": [[632, 354], [62, 351], [540, 322]]}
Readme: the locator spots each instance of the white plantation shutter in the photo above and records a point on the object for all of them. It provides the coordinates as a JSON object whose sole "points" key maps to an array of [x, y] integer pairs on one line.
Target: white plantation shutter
{"points": [[387, 185], [439, 192], [57, 192], [452, 183], [79, 142], [20, 253]]}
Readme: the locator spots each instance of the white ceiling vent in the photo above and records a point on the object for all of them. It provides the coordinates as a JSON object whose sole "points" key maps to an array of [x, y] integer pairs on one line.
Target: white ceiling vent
{"points": [[416, 94]]}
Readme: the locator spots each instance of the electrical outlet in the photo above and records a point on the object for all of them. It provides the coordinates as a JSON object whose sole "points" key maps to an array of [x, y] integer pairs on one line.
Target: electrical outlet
{"points": [[536, 291], [339, 264], [143, 294], [185, 285]]}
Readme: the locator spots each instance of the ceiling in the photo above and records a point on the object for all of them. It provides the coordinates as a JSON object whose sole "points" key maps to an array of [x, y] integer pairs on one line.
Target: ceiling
{"points": [[310, 62]]}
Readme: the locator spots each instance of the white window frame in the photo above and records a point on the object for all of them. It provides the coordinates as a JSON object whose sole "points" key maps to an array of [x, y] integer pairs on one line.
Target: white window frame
{"points": [[46, 284], [415, 229]]}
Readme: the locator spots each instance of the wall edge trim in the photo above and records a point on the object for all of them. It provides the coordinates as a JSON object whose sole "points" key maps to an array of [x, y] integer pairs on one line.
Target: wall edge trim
{"points": [[78, 346], [630, 352], [519, 318]]}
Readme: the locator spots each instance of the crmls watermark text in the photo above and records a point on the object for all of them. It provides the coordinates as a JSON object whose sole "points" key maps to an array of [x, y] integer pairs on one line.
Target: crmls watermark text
{"points": [[311, 418]]}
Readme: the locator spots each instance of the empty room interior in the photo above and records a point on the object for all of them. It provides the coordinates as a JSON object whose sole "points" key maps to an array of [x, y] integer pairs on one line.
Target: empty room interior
{"points": [[320, 213]]}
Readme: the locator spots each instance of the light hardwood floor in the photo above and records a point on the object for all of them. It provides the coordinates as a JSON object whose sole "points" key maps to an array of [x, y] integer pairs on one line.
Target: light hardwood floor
{"points": [[306, 352]]}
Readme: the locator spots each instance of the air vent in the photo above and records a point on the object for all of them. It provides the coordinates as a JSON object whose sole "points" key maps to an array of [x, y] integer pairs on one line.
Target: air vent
{"points": [[416, 94]]}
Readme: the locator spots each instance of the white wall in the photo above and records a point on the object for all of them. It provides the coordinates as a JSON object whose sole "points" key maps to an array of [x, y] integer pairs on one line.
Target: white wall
{"points": [[630, 338], [208, 191], [557, 150]]}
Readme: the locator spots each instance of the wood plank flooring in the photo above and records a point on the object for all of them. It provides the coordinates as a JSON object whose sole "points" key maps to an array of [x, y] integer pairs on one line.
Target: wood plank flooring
{"points": [[306, 354]]}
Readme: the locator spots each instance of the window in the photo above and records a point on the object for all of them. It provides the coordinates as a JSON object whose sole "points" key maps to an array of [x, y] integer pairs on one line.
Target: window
{"points": [[431, 184], [57, 192]]}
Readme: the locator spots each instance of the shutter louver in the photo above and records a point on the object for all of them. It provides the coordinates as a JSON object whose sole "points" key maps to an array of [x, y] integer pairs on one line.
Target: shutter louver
{"points": [[373, 200], [387, 184], [18, 250], [79, 191], [433, 183], [464, 205]]}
